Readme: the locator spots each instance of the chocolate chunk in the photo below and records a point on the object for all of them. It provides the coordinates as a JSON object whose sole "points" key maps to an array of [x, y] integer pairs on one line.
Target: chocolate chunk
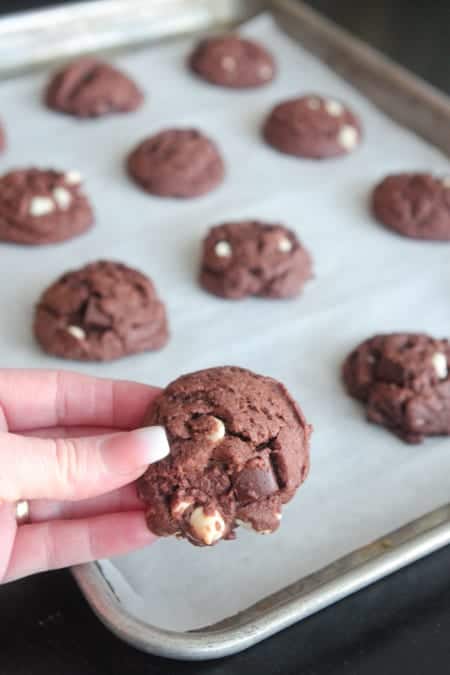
{"points": [[95, 316], [230, 432], [100, 312], [91, 88], [416, 205], [256, 481], [403, 380]]}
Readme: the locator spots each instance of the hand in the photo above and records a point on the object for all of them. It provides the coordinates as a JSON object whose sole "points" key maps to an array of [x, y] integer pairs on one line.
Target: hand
{"points": [[65, 446]]}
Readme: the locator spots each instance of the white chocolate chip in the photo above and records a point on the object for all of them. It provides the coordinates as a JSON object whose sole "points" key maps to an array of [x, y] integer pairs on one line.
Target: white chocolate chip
{"points": [[285, 245], [62, 197], [40, 206], [222, 249], [265, 71], [249, 526], [244, 523], [207, 529], [217, 432], [446, 181], [334, 108], [313, 103], [179, 508], [228, 63], [348, 137], [440, 365], [76, 332], [73, 177]]}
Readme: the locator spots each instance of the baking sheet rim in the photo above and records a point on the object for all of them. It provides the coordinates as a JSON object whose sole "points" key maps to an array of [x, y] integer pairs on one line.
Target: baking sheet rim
{"points": [[321, 589]]}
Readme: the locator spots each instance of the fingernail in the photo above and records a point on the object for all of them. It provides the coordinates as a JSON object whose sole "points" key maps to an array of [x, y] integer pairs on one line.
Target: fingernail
{"points": [[154, 443], [131, 450]]}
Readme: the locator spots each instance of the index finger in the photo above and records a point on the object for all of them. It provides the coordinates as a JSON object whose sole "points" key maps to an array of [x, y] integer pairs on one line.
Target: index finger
{"points": [[30, 399]]}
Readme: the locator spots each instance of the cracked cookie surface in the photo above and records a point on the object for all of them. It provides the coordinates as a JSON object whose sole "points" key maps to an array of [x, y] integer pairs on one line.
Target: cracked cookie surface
{"points": [[42, 206], [232, 61], [416, 205], [100, 312], [312, 126], [239, 451], [91, 88], [402, 378], [179, 163], [254, 258]]}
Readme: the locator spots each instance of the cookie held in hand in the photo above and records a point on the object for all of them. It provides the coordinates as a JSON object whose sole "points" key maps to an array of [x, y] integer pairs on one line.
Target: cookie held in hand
{"points": [[100, 312], [402, 378], [88, 87], [239, 451], [40, 206], [254, 258]]}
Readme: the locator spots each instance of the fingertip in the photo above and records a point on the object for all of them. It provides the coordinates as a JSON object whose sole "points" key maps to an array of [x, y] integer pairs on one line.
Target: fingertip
{"points": [[129, 453], [155, 445]]}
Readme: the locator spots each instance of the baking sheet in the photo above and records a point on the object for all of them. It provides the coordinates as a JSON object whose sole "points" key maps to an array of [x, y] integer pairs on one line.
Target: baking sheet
{"points": [[363, 482]]}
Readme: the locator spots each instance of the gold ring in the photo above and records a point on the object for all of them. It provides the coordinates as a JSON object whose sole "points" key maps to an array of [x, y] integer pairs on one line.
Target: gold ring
{"points": [[22, 512]]}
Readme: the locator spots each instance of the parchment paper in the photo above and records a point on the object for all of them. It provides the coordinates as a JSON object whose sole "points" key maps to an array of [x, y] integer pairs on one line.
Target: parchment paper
{"points": [[363, 481]]}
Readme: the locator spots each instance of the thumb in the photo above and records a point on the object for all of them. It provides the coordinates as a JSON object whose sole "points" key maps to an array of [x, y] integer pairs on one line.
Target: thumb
{"points": [[76, 468]]}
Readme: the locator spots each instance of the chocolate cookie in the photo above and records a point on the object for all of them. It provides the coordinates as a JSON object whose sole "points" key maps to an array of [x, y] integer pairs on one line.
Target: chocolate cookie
{"points": [[254, 258], [403, 381], [100, 312], [312, 126], [232, 61], [177, 163], [91, 88], [42, 206], [239, 451], [416, 205]]}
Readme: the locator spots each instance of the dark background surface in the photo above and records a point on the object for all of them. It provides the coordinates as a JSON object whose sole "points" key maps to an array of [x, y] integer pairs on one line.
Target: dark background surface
{"points": [[399, 626]]}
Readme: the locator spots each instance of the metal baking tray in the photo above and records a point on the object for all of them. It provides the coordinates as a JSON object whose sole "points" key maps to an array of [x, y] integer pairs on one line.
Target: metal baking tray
{"points": [[32, 39]]}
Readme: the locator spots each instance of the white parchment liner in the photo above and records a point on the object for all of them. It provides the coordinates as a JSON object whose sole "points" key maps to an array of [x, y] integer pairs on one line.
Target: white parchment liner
{"points": [[363, 482]]}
